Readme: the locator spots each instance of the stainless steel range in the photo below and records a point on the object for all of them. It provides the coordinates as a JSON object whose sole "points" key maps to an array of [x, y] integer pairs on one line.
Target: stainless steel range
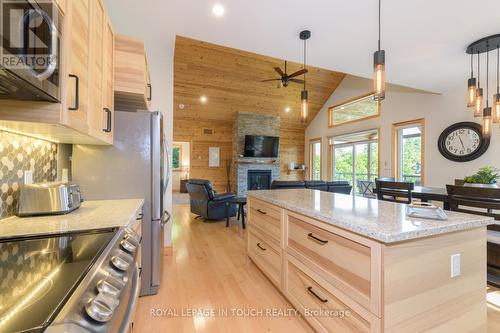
{"points": [[78, 282]]}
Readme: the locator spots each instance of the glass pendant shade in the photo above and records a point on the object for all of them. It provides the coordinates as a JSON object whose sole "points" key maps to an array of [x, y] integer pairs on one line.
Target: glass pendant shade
{"points": [[379, 75], [304, 112], [471, 92], [478, 108], [487, 122], [496, 109]]}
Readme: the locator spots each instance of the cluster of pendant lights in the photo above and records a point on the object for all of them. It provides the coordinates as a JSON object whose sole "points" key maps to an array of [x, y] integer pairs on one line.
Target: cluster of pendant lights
{"points": [[475, 92]]}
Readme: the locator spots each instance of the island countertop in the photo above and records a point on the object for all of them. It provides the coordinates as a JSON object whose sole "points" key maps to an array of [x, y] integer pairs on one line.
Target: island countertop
{"points": [[382, 221], [92, 215]]}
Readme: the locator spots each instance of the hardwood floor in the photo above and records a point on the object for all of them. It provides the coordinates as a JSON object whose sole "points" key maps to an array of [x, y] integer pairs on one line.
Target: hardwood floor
{"points": [[209, 269]]}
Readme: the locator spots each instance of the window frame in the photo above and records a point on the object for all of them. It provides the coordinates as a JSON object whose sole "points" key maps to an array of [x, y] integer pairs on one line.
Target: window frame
{"points": [[311, 152], [331, 110], [396, 148]]}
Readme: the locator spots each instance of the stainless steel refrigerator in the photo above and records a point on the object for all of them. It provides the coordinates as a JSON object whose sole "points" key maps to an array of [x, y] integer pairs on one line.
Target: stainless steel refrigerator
{"points": [[136, 166]]}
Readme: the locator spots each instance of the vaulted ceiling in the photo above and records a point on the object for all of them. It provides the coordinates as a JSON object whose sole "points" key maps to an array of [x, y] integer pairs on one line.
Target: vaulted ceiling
{"points": [[231, 81]]}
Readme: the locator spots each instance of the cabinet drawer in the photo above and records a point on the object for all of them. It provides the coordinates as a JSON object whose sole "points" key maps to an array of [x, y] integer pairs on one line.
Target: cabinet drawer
{"points": [[340, 261], [265, 255], [265, 217], [322, 307]]}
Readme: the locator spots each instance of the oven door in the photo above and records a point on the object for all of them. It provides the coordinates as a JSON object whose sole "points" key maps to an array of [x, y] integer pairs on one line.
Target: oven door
{"points": [[30, 49]]}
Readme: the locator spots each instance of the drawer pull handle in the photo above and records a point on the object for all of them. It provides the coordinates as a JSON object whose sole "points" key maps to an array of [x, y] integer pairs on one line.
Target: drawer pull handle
{"points": [[316, 239], [311, 291], [260, 247], [262, 212]]}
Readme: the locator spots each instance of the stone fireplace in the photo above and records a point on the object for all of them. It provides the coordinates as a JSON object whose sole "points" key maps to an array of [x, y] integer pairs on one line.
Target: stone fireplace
{"points": [[259, 171], [259, 180]]}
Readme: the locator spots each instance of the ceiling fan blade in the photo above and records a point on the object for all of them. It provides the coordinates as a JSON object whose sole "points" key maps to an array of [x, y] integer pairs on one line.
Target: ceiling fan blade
{"points": [[297, 81], [279, 71], [270, 80], [300, 72]]}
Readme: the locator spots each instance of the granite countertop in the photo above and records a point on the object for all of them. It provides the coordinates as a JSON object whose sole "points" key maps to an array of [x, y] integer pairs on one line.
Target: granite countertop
{"points": [[383, 221], [91, 215]]}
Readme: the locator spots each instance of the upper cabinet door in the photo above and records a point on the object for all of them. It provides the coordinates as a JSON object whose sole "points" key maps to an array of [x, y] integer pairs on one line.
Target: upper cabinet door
{"points": [[97, 123], [108, 80], [78, 61], [133, 90]]}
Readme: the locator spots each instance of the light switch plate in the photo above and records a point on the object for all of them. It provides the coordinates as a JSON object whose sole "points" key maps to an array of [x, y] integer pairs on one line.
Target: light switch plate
{"points": [[28, 177], [455, 265]]}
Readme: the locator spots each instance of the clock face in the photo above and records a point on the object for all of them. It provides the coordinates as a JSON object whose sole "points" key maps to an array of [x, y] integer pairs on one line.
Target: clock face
{"points": [[462, 142]]}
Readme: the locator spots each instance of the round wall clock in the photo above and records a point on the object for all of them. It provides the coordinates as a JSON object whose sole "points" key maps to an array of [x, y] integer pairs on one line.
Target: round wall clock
{"points": [[463, 142]]}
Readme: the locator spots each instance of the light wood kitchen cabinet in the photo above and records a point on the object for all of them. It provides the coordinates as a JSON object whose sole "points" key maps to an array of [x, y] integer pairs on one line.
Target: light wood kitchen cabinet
{"points": [[133, 90], [341, 281], [84, 114]]}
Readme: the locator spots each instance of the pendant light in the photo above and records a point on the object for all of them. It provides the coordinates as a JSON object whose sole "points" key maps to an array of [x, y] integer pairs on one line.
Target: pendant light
{"points": [[478, 108], [496, 99], [487, 109], [471, 85], [304, 95], [379, 66]]}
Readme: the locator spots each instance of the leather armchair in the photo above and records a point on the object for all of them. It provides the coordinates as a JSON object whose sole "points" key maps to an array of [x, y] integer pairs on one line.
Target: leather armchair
{"points": [[206, 203]]}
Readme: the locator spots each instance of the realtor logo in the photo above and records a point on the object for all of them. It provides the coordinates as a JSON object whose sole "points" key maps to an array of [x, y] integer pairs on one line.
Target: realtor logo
{"points": [[29, 36]]}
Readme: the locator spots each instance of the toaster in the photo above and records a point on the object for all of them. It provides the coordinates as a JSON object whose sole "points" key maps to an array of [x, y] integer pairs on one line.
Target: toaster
{"points": [[50, 198]]}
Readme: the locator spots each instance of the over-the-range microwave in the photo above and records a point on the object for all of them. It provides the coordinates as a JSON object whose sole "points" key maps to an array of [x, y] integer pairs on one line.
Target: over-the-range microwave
{"points": [[30, 50]]}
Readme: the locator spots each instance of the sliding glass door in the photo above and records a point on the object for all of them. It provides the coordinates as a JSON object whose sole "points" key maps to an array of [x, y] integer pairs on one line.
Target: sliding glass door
{"points": [[355, 160]]}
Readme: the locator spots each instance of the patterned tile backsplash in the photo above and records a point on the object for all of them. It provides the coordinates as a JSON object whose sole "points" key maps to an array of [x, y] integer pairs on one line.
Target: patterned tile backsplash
{"points": [[19, 153]]}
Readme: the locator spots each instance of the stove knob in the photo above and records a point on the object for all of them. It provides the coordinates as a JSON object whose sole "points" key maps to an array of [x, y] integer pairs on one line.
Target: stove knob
{"points": [[107, 288], [101, 308], [128, 246], [132, 239], [120, 263]]}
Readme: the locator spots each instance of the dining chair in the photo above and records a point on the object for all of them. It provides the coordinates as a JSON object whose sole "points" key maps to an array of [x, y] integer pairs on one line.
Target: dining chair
{"points": [[475, 200], [366, 188], [481, 201], [394, 191]]}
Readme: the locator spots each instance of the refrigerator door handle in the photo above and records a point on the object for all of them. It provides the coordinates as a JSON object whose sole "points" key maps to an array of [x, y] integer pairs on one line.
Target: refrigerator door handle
{"points": [[165, 220]]}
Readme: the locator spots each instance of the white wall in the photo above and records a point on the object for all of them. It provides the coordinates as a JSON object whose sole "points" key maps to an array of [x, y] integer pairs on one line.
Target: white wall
{"points": [[403, 104], [177, 175], [135, 18]]}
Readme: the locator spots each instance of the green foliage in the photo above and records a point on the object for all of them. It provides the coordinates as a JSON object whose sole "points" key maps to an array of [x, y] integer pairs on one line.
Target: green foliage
{"points": [[412, 156], [176, 152], [485, 175]]}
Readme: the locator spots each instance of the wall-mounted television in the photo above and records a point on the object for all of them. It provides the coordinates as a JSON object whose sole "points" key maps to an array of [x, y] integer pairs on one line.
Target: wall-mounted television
{"points": [[261, 146]]}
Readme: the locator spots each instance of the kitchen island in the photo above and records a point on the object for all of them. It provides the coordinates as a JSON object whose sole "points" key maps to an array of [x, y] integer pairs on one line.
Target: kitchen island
{"points": [[352, 264]]}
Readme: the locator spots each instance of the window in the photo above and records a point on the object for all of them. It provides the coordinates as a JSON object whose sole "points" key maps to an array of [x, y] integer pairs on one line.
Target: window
{"points": [[315, 159], [355, 157], [409, 141], [176, 157], [359, 108]]}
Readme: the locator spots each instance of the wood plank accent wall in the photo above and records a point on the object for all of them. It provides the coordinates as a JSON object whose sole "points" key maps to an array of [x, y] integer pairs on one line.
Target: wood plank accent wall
{"points": [[230, 79]]}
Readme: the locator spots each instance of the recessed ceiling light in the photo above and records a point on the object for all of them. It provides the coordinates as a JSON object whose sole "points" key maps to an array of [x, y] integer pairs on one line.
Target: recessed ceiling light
{"points": [[287, 109], [218, 10], [203, 99], [181, 106]]}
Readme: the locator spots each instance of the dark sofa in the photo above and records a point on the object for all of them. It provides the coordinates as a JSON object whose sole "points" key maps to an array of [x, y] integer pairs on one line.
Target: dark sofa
{"points": [[206, 203], [338, 186]]}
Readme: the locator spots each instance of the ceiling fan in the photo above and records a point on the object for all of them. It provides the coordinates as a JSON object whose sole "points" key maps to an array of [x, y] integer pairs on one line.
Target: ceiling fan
{"points": [[285, 78]]}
